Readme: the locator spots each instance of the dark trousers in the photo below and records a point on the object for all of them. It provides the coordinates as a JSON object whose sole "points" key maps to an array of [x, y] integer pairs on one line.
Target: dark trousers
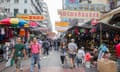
{"points": [[62, 59], [46, 51]]}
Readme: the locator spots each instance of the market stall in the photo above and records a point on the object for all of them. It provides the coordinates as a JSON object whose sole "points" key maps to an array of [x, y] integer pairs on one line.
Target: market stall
{"points": [[10, 27]]}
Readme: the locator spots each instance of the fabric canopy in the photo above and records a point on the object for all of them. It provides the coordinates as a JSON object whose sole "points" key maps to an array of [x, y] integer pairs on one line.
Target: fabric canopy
{"points": [[17, 22], [107, 27]]}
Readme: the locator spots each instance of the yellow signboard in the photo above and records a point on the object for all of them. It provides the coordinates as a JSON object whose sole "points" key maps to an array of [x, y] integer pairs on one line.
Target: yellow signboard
{"points": [[61, 30], [31, 17], [63, 24]]}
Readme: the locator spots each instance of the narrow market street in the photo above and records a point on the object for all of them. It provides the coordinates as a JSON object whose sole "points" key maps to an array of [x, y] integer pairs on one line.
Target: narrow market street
{"points": [[49, 63]]}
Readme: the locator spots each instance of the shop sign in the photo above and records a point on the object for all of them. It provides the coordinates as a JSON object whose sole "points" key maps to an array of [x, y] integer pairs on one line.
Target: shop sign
{"points": [[61, 29], [63, 24], [79, 14], [31, 17]]}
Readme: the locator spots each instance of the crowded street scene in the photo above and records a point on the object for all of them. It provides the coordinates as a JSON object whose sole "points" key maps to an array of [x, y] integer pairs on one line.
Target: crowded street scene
{"points": [[59, 35]]}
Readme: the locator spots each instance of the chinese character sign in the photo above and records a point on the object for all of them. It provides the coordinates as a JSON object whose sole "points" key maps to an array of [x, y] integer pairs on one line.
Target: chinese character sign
{"points": [[79, 14]]}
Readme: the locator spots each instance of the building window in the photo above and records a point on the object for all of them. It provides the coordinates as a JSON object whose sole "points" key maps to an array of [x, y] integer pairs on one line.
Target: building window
{"points": [[8, 1], [2, 1], [25, 11], [16, 11], [7, 10], [25, 1], [16, 1]]}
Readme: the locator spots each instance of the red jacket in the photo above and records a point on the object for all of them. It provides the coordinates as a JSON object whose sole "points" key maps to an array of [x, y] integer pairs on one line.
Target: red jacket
{"points": [[118, 50]]}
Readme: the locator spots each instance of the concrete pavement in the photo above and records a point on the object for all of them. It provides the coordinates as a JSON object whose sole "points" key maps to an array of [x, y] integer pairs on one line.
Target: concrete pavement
{"points": [[50, 63]]}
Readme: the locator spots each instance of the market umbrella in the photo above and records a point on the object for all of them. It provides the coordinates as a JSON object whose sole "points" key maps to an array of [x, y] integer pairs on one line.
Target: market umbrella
{"points": [[33, 24], [16, 22], [5, 21]]}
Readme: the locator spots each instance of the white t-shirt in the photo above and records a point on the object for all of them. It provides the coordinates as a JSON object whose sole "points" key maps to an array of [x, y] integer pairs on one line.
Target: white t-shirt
{"points": [[72, 47], [81, 54]]}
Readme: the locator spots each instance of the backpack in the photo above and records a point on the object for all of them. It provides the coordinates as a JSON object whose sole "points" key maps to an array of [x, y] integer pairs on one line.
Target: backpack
{"points": [[46, 44]]}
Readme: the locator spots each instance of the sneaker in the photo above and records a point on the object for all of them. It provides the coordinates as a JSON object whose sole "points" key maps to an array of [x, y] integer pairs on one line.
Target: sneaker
{"points": [[21, 69]]}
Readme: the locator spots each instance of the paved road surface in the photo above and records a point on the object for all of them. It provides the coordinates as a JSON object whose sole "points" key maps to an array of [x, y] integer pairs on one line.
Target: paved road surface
{"points": [[49, 63]]}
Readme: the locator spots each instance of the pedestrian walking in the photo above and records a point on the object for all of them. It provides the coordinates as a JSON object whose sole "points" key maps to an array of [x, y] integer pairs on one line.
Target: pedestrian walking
{"points": [[46, 46], [72, 50], [63, 52], [80, 56], [17, 53], [88, 58], [94, 57], [35, 54]]}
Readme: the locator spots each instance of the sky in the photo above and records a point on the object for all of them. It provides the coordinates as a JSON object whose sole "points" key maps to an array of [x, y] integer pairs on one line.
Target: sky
{"points": [[53, 6]]}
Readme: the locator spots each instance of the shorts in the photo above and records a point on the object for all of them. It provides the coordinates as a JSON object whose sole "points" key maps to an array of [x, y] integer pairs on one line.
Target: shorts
{"points": [[78, 60], [18, 61], [72, 56]]}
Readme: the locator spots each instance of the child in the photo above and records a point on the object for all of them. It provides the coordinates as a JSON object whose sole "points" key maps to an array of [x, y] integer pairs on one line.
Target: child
{"points": [[88, 59], [80, 56]]}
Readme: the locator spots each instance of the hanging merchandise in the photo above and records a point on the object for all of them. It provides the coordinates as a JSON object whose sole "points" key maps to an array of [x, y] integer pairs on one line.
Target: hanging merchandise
{"points": [[82, 30], [76, 31], [93, 30], [107, 35], [22, 32], [86, 31], [72, 31], [2, 31], [10, 33]]}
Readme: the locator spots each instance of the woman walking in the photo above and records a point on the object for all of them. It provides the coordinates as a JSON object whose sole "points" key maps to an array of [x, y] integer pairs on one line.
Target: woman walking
{"points": [[63, 53]]}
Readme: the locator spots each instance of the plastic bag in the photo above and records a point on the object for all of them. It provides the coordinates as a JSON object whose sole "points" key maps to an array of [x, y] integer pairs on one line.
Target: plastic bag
{"points": [[8, 63]]}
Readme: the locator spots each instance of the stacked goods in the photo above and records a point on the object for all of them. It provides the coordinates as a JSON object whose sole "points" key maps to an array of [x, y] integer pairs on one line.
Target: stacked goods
{"points": [[106, 65]]}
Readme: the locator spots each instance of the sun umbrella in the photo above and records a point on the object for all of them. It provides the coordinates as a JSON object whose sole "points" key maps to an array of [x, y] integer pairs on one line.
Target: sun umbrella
{"points": [[33, 24], [5, 21], [22, 22], [15, 22]]}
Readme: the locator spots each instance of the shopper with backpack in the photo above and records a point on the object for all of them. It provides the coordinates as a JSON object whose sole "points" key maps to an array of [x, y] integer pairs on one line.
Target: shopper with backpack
{"points": [[80, 56], [46, 46]]}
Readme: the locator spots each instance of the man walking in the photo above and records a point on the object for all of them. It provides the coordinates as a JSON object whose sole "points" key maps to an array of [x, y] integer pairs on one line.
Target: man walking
{"points": [[17, 53], [35, 54], [46, 46], [72, 50]]}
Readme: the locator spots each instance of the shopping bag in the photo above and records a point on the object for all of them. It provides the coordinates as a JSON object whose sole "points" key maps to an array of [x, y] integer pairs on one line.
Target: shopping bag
{"points": [[12, 62], [8, 63]]}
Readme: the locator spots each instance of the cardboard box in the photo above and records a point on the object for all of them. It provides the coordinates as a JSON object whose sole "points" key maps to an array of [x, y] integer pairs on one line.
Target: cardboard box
{"points": [[105, 65]]}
